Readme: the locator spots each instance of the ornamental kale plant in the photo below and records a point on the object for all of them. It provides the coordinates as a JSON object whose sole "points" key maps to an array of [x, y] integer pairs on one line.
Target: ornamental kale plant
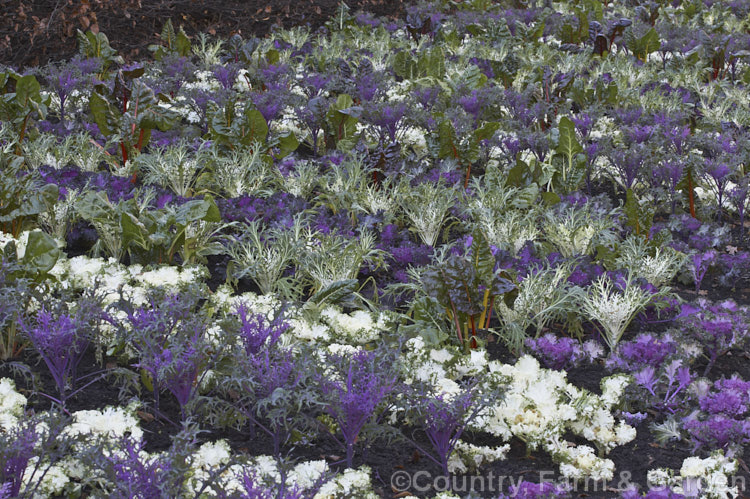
{"points": [[701, 262], [442, 417], [722, 422], [562, 353], [135, 473], [356, 389], [18, 447], [269, 384], [667, 387], [30, 452], [180, 367], [717, 327], [168, 337], [61, 339], [614, 304], [645, 350], [61, 345]]}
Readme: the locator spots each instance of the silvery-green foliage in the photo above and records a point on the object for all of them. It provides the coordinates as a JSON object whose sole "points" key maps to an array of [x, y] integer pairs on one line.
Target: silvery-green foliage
{"points": [[426, 206], [382, 197], [242, 171], [658, 265], [99, 211], [207, 51], [264, 254], [76, 149], [296, 36], [302, 180], [327, 259], [613, 308], [544, 296], [669, 430], [342, 184], [87, 154], [57, 220], [173, 167], [204, 239], [505, 215], [577, 231], [41, 151]]}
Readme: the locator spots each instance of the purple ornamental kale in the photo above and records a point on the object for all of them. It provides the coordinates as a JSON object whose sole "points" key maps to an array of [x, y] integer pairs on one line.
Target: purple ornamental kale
{"points": [[556, 353], [270, 104], [734, 268], [63, 81], [701, 262], [167, 357], [226, 74], [718, 432], [253, 488], [178, 365], [671, 174], [677, 137], [256, 333], [386, 118], [583, 123], [629, 163], [354, 400], [729, 396], [667, 387], [276, 392], [653, 493], [16, 450], [137, 473], [473, 103], [646, 350], [443, 418], [61, 343], [718, 327], [716, 175]]}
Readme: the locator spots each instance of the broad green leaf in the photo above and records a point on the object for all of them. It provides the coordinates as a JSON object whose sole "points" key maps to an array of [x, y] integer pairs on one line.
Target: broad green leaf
{"points": [[41, 252], [484, 261], [567, 146], [27, 88], [183, 43], [650, 42], [486, 131], [257, 128], [99, 108], [168, 35], [287, 143], [448, 141]]}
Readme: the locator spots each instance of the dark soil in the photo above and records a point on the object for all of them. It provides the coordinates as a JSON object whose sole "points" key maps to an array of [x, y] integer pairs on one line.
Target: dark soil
{"points": [[34, 32]]}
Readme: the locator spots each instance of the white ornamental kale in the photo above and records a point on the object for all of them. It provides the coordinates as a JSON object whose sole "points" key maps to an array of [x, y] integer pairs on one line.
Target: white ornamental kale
{"points": [[12, 403], [657, 265], [110, 423], [706, 478], [539, 406], [426, 206], [614, 307], [575, 231], [357, 327]]}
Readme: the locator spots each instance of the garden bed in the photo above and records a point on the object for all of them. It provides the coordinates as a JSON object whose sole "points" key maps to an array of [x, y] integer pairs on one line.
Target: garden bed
{"points": [[473, 249]]}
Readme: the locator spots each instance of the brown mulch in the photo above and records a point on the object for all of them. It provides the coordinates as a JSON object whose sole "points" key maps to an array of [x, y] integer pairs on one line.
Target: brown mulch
{"points": [[34, 32]]}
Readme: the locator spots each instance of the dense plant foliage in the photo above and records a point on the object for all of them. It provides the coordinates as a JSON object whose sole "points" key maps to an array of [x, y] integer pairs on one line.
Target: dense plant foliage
{"points": [[399, 233]]}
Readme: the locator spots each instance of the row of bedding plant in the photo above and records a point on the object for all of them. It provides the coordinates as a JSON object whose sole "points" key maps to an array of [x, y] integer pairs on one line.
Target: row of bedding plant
{"points": [[485, 233]]}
